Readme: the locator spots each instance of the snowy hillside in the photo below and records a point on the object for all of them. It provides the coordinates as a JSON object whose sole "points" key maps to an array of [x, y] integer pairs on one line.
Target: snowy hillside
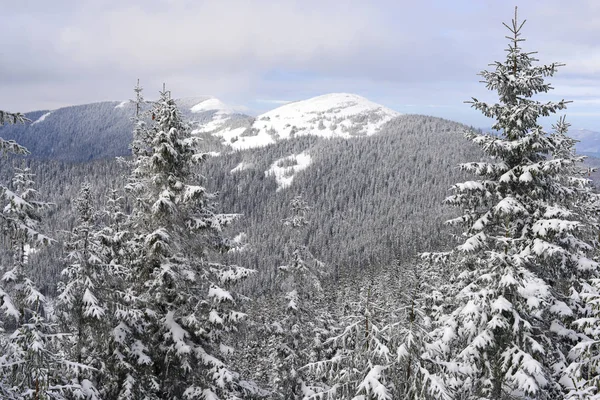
{"points": [[339, 115], [212, 117]]}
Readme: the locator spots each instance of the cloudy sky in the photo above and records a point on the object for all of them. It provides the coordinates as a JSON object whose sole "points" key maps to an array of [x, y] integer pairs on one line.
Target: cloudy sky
{"points": [[412, 56]]}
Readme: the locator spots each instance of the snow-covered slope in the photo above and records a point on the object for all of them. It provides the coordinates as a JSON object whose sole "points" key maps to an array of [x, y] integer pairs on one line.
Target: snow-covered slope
{"points": [[284, 169], [210, 116], [332, 115]]}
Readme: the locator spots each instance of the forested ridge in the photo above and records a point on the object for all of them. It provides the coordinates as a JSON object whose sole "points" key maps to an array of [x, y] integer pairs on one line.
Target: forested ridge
{"points": [[428, 261]]}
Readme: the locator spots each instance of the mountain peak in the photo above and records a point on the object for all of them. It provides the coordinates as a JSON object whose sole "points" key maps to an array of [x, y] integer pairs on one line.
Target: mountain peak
{"points": [[339, 115], [212, 104]]}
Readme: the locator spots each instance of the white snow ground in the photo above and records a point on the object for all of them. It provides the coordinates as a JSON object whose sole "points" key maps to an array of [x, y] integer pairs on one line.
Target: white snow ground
{"points": [[42, 118], [284, 172]]}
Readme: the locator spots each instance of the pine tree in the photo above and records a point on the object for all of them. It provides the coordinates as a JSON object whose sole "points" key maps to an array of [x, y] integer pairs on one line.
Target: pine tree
{"points": [[362, 345], [82, 299], [128, 371], [10, 146], [302, 279], [525, 247], [189, 309], [411, 369], [582, 377], [33, 363]]}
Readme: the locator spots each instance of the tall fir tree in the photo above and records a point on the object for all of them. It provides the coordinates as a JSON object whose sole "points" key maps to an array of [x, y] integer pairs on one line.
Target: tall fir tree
{"points": [[189, 309], [582, 377], [33, 363], [525, 248], [82, 302], [301, 278], [129, 365]]}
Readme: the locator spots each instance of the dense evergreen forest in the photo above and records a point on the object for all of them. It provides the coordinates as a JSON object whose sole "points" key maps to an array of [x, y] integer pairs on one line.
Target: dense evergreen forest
{"points": [[428, 261]]}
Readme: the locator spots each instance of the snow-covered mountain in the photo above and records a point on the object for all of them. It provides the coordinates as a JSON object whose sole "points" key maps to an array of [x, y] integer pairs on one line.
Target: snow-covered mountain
{"points": [[335, 115], [101, 130]]}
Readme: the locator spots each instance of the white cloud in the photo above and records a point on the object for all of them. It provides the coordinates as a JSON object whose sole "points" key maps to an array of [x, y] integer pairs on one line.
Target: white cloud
{"points": [[391, 51], [224, 36]]}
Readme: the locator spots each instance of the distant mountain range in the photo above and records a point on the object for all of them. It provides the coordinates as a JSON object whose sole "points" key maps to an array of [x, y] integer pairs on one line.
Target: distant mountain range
{"points": [[589, 141], [375, 178], [103, 130], [99, 130]]}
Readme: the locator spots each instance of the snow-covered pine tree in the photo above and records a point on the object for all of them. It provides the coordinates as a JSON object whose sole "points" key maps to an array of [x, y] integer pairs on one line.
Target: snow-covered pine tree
{"points": [[414, 375], [32, 363], [141, 141], [524, 246], [189, 308], [301, 277], [127, 372], [82, 298], [10, 146], [362, 353], [582, 376]]}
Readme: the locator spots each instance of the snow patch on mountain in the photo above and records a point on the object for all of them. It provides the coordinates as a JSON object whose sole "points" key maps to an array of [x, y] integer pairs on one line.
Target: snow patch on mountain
{"points": [[336, 115], [285, 168], [122, 104], [42, 118], [212, 105], [241, 167], [210, 116]]}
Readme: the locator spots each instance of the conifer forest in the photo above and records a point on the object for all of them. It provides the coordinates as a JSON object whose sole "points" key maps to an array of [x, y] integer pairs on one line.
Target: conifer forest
{"points": [[155, 249]]}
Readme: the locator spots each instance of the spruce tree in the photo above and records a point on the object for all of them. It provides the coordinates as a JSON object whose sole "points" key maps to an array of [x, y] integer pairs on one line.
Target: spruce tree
{"points": [[82, 298], [33, 363], [189, 309], [301, 277], [524, 249], [10, 146], [128, 369], [582, 377]]}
